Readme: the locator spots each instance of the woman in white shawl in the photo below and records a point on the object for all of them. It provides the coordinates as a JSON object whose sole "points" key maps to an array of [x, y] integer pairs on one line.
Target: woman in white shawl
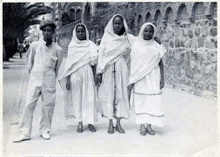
{"points": [[146, 79], [77, 81], [112, 71]]}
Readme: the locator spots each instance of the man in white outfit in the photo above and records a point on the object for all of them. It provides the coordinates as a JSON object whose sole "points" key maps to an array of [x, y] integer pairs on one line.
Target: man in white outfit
{"points": [[44, 61]]}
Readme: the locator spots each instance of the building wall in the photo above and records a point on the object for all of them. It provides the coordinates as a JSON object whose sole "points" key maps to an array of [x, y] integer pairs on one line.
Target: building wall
{"points": [[76, 14], [188, 30]]}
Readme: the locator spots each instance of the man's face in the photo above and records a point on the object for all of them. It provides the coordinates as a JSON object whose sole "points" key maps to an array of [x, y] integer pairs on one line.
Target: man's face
{"points": [[117, 24], [148, 32], [81, 33], [48, 32]]}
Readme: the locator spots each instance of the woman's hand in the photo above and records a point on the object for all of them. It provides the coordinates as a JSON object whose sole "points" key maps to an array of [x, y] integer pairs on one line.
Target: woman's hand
{"points": [[127, 49], [161, 74], [161, 83], [68, 86], [130, 87], [157, 40], [98, 79]]}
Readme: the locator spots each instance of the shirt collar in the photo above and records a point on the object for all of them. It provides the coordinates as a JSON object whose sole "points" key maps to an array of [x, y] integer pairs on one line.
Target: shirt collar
{"points": [[44, 43]]}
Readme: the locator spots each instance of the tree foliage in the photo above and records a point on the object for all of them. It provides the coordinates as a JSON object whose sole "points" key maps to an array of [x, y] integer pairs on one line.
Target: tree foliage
{"points": [[17, 17]]}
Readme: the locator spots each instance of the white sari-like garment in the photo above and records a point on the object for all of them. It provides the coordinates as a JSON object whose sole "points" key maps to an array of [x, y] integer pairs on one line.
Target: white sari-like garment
{"points": [[145, 75], [113, 60], [80, 101]]}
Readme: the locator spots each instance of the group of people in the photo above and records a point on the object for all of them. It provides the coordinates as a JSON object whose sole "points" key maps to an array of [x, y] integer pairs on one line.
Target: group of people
{"points": [[122, 71]]}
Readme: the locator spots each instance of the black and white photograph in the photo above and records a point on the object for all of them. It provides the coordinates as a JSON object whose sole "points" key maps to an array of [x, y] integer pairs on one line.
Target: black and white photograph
{"points": [[126, 78]]}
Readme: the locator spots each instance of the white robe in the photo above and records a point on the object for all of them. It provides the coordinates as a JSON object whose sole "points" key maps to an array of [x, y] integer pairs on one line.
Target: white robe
{"points": [[113, 60], [145, 75], [80, 101]]}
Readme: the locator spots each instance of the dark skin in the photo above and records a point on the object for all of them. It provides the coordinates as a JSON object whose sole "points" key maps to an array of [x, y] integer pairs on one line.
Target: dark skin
{"points": [[81, 35], [48, 32], [119, 30], [81, 32], [118, 25], [148, 35]]}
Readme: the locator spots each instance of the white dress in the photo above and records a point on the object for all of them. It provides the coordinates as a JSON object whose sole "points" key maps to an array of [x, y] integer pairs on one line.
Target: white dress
{"points": [[113, 94], [145, 75], [83, 95], [113, 62], [148, 100], [80, 102]]}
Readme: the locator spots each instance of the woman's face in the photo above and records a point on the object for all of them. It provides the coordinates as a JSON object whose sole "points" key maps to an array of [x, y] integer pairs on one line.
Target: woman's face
{"points": [[117, 25], [148, 32], [81, 33]]}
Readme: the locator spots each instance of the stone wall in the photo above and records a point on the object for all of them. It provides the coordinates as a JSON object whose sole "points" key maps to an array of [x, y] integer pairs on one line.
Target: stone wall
{"points": [[188, 31], [65, 35]]}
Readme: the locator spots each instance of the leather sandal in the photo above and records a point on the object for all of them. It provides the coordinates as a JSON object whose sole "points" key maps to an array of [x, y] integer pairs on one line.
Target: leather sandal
{"points": [[120, 130], [151, 132], [92, 128], [110, 131], [79, 129], [143, 133]]}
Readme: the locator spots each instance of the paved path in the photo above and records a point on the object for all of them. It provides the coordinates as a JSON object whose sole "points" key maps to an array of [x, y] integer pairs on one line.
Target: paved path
{"points": [[191, 129], [12, 73]]}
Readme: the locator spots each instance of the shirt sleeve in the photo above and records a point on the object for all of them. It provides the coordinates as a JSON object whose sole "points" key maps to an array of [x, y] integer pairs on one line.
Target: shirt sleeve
{"points": [[30, 56]]}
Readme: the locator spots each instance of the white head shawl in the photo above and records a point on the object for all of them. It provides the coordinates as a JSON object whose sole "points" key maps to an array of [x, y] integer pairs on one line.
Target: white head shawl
{"points": [[109, 31], [112, 46], [145, 56], [80, 52], [75, 41], [141, 33]]}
